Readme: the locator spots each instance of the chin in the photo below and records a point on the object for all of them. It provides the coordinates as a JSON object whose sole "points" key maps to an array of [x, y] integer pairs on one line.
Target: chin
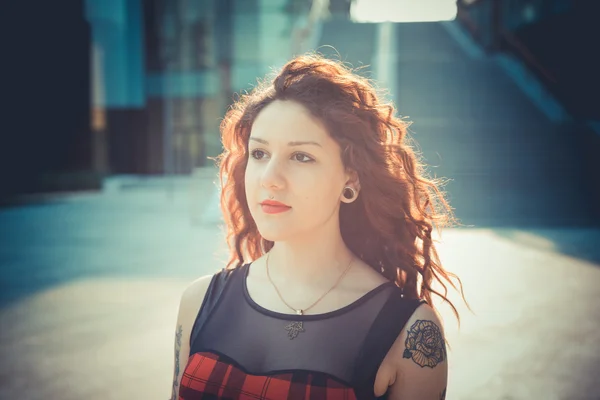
{"points": [[274, 235], [277, 231]]}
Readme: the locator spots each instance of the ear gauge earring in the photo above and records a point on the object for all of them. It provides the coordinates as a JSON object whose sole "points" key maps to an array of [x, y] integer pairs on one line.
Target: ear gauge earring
{"points": [[349, 193]]}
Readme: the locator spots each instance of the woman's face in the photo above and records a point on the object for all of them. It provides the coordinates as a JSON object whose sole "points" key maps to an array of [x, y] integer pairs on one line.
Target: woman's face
{"points": [[293, 159]]}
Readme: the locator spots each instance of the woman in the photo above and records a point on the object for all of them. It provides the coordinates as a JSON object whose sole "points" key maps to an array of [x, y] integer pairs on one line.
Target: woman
{"points": [[328, 291]]}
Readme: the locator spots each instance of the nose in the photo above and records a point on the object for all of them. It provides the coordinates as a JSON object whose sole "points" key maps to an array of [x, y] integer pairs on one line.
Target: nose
{"points": [[272, 176]]}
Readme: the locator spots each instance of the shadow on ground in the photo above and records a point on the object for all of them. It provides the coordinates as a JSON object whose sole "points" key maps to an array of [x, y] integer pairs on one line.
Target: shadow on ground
{"points": [[581, 243]]}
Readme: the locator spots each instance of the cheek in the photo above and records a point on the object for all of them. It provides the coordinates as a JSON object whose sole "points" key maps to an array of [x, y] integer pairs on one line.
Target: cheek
{"points": [[319, 196], [250, 180]]}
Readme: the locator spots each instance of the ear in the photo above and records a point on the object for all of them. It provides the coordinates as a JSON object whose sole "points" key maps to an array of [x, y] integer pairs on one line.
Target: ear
{"points": [[352, 179]]}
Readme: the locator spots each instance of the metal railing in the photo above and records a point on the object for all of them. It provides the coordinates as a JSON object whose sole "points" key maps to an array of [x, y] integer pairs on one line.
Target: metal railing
{"points": [[493, 24]]}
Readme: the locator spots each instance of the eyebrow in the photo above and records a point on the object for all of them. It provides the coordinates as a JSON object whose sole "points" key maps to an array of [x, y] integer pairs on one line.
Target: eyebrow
{"points": [[294, 143]]}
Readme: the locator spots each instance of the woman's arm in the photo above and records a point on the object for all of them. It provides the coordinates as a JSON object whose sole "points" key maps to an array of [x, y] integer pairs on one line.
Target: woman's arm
{"points": [[190, 303], [420, 358]]}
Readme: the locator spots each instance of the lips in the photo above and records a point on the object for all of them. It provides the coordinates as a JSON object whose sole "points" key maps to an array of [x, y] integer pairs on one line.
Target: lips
{"points": [[273, 203], [274, 207]]}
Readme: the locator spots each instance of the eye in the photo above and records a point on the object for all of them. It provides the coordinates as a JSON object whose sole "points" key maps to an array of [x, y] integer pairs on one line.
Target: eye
{"points": [[257, 154], [303, 158]]}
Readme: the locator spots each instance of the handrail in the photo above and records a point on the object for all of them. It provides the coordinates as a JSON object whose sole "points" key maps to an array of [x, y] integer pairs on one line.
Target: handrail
{"points": [[526, 54], [468, 22], [498, 33]]}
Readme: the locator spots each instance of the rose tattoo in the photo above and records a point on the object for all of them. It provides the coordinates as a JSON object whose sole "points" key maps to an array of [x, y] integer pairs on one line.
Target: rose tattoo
{"points": [[425, 344]]}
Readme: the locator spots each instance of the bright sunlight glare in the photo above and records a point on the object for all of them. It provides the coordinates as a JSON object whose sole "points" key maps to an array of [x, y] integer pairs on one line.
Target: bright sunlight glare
{"points": [[403, 10]]}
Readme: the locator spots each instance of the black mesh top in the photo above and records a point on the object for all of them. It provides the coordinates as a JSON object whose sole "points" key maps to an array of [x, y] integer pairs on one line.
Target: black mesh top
{"points": [[239, 349]]}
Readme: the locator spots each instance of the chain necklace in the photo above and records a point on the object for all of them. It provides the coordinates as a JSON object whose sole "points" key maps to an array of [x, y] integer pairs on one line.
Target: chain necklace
{"points": [[296, 327]]}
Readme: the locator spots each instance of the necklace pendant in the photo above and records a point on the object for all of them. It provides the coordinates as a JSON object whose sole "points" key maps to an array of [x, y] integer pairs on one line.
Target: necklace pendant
{"points": [[299, 312], [294, 328]]}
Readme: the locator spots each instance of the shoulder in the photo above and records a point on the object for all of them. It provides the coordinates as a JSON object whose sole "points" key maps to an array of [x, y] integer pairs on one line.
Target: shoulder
{"points": [[190, 302], [419, 357], [195, 292], [423, 339], [424, 312]]}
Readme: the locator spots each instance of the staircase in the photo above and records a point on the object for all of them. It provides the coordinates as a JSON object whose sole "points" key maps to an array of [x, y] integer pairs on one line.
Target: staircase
{"points": [[509, 165]]}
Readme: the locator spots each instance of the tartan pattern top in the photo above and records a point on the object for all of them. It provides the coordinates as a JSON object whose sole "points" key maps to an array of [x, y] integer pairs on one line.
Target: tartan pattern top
{"points": [[210, 376], [240, 350]]}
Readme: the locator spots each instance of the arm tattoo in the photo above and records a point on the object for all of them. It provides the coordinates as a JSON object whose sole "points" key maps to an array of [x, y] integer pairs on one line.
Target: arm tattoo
{"points": [[443, 395], [425, 344], [177, 350]]}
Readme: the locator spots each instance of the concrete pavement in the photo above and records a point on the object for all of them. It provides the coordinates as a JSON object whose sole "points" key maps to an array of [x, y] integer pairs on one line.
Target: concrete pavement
{"points": [[90, 287]]}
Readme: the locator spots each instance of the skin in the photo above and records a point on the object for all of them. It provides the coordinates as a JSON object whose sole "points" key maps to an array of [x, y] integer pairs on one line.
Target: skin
{"points": [[308, 177], [293, 159]]}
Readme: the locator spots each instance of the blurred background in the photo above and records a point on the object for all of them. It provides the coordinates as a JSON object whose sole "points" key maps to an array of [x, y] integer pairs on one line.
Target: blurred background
{"points": [[109, 203]]}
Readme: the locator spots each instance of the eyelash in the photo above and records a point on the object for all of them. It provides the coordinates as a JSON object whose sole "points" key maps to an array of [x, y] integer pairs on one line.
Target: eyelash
{"points": [[310, 159]]}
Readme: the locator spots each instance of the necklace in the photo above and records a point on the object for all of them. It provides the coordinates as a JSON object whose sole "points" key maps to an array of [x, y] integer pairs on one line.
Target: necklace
{"points": [[296, 327]]}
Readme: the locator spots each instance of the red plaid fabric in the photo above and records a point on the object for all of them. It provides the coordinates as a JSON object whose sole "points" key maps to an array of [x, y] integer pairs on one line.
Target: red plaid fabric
{"points": [[210, 376]]}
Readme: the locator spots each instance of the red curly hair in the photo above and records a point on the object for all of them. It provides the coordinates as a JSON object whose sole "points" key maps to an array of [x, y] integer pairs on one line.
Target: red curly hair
{"points": [[389, 225]]}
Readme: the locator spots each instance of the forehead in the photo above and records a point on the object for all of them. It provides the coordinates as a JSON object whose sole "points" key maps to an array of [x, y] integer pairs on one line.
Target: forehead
{"points": [[289, 120]]}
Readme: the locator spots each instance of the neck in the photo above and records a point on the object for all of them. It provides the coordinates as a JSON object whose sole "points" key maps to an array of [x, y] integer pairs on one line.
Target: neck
{"points": [[317, 259]]}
